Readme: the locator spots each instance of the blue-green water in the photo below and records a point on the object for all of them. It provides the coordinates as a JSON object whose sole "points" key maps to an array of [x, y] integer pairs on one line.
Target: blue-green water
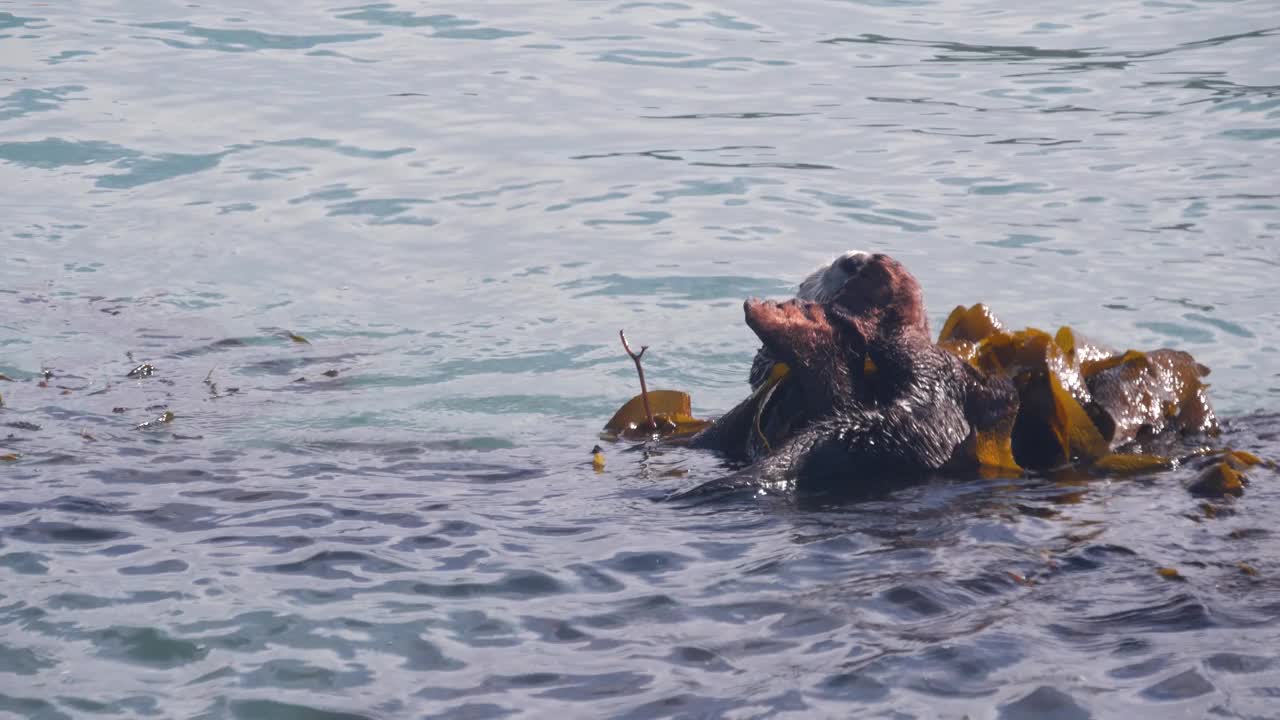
{"points": [[458, 205]]}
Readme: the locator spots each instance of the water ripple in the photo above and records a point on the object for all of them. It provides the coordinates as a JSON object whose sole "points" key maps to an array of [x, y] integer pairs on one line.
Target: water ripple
{"points": [[378, 255]]}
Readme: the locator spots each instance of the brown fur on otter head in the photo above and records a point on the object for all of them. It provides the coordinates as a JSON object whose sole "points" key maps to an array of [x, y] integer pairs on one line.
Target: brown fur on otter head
{"points": [[886, 282], [883, 297], [880, 304]]}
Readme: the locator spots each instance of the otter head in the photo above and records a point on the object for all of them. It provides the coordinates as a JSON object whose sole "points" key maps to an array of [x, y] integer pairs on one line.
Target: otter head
{"points": [[883, 299], [878, 309], [825, 283]]}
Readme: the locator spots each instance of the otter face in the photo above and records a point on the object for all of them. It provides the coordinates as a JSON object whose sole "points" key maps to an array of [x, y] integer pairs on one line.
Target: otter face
{"points": [[882, 295], [825, 283], [876, 299]]}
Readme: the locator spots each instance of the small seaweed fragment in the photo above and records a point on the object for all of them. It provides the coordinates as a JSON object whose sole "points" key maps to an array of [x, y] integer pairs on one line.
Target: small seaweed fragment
{"points": [[209, 383], [1169, 573], [1218, 480], [1019, 578], [164, 419], [777, 374], [141, 371], [9, 457], [1132, 463], [330, 373], [644, 390], [297, 338]]}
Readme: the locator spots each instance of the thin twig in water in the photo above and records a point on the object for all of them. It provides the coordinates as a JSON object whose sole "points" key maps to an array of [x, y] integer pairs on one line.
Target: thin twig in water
{"points": [[644, 390]]}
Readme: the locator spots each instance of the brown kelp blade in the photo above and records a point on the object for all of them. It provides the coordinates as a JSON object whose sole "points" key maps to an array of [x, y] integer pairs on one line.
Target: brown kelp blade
{"points": [[1080, 350], [1130, 463], [1053, 427], [672, 412], [972, 324], [1141, 393]]}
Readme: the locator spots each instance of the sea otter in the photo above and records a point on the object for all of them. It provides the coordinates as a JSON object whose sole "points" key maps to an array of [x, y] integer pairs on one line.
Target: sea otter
{"points": [[821, 286], [868, 393], [778, 405], [920, 408]]}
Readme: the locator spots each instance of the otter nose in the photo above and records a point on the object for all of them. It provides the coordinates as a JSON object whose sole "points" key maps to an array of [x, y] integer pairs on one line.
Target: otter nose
{"points": [[853, 261]]}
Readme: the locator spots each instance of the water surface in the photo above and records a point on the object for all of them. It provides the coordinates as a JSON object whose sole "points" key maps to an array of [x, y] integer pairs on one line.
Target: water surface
{"points": [[458, 205]]}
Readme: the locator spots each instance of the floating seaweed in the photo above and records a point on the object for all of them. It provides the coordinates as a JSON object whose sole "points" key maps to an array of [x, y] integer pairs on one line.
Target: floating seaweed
{"points": [[141, 371], [652, 413], [1081, 405], [164, 419]]}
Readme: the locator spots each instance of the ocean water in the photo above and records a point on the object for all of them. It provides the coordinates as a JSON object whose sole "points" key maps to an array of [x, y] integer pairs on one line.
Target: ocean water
{"points": [[457, 206]]}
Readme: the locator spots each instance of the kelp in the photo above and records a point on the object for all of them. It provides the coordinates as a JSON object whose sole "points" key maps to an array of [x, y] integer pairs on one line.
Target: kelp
{"points": [[1081, 405], [965, 328], [1081, 401], [163, 419], [1080, 350], [671, 411], [761, 397], [1225, 475], [990, 451], [1130, 463], [972, 324], [1139, 395], [1052, 427], [644, 390], [653, 412]]}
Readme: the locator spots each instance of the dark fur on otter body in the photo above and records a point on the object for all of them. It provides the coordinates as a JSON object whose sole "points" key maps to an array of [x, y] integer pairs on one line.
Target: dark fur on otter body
{"points": [[909, 418]]}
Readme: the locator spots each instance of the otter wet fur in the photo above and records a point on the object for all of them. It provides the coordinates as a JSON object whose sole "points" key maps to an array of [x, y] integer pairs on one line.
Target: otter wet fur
{"points": [[755, 427], [907, 419]]}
